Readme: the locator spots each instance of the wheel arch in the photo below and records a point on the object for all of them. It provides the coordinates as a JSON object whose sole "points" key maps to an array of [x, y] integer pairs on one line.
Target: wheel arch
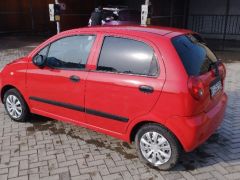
{"points": [[8, 87], [140, 124]]}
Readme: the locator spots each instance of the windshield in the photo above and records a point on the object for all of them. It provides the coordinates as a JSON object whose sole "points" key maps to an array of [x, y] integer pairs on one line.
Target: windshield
{"points": [[196, 57]]}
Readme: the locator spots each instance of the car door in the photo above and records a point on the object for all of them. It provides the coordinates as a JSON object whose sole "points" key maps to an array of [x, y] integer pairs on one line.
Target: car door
{"points": [[57, 89], [126, 83]]}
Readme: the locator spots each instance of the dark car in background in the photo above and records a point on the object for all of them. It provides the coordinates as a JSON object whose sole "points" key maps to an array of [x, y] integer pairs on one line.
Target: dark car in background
{"points": [[121, 15]]}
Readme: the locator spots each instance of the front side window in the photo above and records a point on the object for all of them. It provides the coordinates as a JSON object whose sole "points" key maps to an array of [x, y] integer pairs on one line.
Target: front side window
{"points": [[70, 52], [123, 55]]}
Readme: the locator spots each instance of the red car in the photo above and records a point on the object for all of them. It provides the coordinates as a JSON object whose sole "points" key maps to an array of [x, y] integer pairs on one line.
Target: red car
{"points": [[161, 88]]}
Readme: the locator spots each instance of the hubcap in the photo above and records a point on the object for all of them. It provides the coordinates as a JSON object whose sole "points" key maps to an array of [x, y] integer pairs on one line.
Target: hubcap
{"points": [[14, 106], [155, 148]]}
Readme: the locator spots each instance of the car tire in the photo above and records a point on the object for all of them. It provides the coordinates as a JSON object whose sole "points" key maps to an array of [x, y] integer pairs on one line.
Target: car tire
{"points": [[16, 106], [157, 147]]}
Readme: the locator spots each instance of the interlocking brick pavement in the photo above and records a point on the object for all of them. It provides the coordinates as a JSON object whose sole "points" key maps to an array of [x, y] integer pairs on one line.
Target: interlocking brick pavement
{"points": [[48, 149]]}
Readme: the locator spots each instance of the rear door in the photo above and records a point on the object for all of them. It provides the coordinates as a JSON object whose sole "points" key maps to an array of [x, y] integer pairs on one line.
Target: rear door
{"points": [[125, 84]]}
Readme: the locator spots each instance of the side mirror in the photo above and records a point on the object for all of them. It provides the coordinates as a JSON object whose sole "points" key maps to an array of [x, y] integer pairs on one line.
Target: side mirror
{"points": [[39, 60]]}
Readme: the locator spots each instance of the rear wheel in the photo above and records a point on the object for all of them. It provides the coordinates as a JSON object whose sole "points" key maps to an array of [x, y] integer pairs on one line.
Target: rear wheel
{"points": [[15, 106], [157, 147]]}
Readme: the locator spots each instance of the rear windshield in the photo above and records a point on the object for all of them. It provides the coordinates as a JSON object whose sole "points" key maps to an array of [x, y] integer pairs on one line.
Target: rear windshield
{"points": [[196, 57]]}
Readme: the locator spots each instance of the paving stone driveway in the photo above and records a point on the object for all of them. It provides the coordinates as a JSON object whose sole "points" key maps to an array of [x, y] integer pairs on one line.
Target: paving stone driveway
{"points": [[48, 149]]}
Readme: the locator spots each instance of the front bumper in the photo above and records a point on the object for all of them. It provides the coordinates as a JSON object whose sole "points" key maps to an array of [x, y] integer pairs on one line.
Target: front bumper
{"points": [[193, 131]]}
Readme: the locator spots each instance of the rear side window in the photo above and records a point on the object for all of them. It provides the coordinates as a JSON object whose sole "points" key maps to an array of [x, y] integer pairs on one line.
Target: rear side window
{"points": [[196, 57], [123, 55]]}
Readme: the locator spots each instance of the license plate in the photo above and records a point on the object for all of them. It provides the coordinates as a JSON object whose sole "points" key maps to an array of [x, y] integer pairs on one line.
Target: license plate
{"points": [[216, 87]]}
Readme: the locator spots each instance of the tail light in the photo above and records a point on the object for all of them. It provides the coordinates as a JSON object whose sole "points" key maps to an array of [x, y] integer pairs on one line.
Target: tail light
{"points": [[196, 88]]}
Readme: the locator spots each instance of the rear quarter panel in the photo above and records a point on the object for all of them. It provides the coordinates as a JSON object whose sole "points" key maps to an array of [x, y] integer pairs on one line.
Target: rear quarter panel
{"points": [[173, 99]]}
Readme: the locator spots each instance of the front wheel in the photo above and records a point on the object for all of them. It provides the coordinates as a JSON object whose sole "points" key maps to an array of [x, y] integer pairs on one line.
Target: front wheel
{"points": [[15, 105], [157, 147]]}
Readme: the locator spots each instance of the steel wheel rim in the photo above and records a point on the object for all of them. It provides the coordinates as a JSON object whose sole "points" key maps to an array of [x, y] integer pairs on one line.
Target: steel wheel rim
{"points": [[155, 148], [14, 106]]}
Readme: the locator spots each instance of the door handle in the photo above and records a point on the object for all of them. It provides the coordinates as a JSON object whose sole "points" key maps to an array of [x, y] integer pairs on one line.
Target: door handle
{"points": [[74, 78], [146, 89]]}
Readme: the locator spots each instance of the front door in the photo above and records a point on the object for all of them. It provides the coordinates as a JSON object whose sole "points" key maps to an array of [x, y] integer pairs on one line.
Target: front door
{"points": [[126, 83], [58, 88]]}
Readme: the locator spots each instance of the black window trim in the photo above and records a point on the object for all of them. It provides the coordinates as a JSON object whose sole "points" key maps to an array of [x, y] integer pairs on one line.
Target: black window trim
{"points": [[121, 73], [47, 45], [73, 69]]}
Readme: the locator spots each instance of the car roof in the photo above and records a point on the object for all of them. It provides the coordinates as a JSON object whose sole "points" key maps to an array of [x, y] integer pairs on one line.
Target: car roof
{"points": [[157, 30]]}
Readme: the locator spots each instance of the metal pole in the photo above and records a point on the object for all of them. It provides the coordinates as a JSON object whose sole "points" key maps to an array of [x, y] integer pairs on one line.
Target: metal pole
{"points": [[148, 4], [58, 23]]}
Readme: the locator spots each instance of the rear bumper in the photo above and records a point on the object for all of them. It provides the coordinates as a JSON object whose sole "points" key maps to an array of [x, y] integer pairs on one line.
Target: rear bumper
{"points": [[193, 131]]}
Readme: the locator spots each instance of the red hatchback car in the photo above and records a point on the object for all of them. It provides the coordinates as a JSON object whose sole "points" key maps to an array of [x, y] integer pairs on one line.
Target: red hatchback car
{"points": [[159, 87]]}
